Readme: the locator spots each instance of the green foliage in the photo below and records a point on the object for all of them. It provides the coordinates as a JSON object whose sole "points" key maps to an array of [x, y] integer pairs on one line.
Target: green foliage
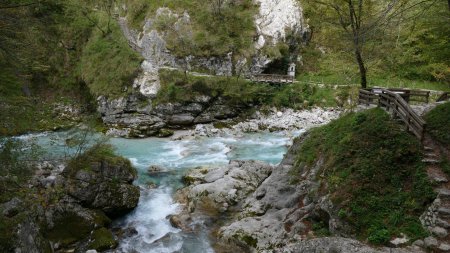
{"points": [[320, 229], [108, 65], [217, 27], [410, 44], [174, 87], [372, 170], [438, 123]]}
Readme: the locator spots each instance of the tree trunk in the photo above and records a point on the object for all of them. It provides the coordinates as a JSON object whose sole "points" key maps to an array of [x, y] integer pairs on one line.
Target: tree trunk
{"points": [[362, 69]]}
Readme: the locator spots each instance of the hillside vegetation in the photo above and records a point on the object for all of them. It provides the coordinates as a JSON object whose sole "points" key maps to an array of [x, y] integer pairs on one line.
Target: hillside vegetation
{"points": [[58, 52], [177, 87], [216, 27], [400, 41], [373, 172]]}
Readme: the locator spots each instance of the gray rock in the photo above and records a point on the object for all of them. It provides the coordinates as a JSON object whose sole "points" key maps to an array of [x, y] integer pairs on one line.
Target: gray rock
{"points": [[439, 232], [29, 238], [12, 207], [419, 243], [444, 247], [340, 245], [430, 242], [399, 241], [155, 169], [105, 185], [181, 119]]}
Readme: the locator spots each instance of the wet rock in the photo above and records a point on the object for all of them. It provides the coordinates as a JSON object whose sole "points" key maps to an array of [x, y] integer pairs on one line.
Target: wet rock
{"points": [[105, 184], [155, 169], [181, 221], [102, 239]]}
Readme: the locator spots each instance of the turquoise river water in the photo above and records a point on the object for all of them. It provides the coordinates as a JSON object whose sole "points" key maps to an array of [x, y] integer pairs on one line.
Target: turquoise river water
{"points": [[149, 219]]}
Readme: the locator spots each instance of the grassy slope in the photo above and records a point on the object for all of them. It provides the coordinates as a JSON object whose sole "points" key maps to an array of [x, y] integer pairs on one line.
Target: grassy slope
{"points": [[438, 123], [372, 170], [69, 53], [108, 65]]}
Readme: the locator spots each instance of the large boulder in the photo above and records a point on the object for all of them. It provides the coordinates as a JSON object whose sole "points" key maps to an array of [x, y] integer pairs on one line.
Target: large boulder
{"points": [[223, 187], [104, 184]]}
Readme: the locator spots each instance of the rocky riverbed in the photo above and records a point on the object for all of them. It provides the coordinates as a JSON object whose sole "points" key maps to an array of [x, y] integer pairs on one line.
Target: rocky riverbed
{"points": [[266, 211], [69, 208]]}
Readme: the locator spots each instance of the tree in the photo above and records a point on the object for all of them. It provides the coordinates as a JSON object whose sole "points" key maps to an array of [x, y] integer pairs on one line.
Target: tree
{"points": [[362, 23]]}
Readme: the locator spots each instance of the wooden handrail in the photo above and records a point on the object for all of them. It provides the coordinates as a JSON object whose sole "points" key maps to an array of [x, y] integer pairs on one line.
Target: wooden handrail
{"points": [[396, 104], [444, 96]]}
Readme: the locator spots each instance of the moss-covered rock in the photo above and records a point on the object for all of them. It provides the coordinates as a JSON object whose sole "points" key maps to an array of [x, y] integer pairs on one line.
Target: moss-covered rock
{"points": [[165, 133], [102, 180], [102, 239]]}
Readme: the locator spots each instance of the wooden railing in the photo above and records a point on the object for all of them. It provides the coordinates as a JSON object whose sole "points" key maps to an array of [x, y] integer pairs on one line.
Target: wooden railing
{"points": [[394, 102], [269, 78], [367, 96], [412, 95]]}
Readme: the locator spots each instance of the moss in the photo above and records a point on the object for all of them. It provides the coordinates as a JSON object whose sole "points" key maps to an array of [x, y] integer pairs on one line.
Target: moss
{"points": [[247, 239], [165, 133], [69, 228], [102, 239], [373, 171]]}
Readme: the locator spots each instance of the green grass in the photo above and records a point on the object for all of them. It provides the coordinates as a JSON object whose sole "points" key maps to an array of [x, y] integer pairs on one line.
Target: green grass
{"points": [[438, 123], [373, 171], [176, 87], [108, 65], [388, 82]]}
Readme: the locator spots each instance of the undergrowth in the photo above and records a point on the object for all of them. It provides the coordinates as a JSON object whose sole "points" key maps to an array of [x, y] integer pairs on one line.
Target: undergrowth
{"points": [[438, 123], [373, 172]]}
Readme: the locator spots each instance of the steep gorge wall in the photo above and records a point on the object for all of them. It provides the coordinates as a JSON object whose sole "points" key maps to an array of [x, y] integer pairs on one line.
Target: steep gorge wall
{"points": [[134, 115]]}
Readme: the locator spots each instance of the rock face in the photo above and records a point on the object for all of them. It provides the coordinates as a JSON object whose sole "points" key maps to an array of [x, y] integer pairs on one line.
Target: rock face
{"points": [[134, 116], [275, 17], [269, 212]]}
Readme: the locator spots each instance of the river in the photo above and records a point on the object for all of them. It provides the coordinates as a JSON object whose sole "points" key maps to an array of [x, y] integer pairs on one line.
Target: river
{"points": [[154, 231]]}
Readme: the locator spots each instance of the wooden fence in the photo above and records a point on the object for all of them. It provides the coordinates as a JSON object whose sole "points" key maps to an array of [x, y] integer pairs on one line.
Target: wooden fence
{"points": [[269, 78], [395, 103], [444, 96]]}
